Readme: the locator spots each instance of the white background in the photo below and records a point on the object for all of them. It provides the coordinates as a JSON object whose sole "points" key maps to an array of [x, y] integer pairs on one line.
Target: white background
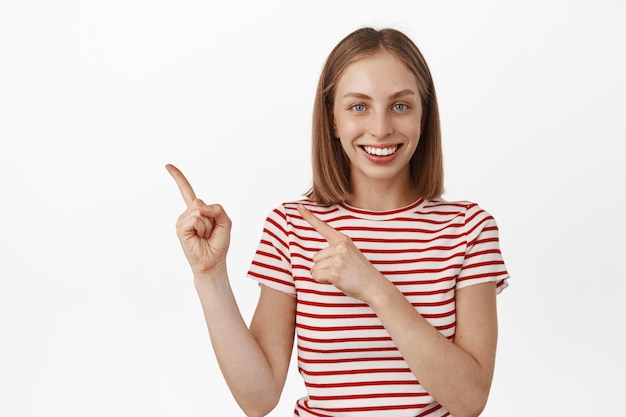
{"points": [[98, 313]]}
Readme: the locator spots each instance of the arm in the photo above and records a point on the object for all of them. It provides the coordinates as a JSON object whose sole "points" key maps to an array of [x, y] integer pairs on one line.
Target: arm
{"points": [[457, 374], [253, 361]]}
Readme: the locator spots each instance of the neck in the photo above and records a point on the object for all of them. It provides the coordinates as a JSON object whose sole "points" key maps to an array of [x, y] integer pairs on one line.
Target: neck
{"points": [[382, 198]]}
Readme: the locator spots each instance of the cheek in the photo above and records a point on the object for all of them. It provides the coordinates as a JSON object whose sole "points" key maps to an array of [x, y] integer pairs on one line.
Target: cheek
{"points": [[348, 128], [412, 129]]}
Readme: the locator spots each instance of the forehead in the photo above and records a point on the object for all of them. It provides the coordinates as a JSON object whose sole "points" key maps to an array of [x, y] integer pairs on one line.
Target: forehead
{"points": [[381, 71]]}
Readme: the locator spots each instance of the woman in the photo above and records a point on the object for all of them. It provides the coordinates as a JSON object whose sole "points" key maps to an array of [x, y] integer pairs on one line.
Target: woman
{"points": [[389, 289]]}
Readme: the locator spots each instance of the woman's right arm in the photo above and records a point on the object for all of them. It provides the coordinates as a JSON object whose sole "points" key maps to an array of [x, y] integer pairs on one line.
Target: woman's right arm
{"points": [[255, 360]]}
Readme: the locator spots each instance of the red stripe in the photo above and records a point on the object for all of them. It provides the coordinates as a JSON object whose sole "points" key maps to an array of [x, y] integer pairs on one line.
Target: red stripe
{"points": [[364, 383], [358, 371], [416, 260], [371, 396], [266, 278], [335, 351], [349, 360], [270, 267], [368, 339]]}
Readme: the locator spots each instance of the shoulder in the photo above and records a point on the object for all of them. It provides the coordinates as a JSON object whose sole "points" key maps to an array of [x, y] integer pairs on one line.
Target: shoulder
{"points": [[288, 210], [471, 214], [449, 209], [440, 204], [285, 216], [464, 207]]}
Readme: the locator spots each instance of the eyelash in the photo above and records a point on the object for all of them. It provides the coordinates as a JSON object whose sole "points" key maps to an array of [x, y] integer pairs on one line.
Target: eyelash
{"points": [[394, 107]]}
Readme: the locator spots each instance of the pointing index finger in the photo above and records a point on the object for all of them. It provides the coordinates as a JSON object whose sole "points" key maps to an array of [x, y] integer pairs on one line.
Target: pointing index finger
{"points": [[183, 185], [320, 226]]}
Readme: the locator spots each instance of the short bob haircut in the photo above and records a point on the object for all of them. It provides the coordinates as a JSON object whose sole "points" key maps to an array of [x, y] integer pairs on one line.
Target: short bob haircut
{"points": [[331, 167]]}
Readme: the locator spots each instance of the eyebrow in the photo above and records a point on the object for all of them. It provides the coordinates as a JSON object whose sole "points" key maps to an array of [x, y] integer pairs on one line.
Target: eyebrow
{"points": [[402, 93]]}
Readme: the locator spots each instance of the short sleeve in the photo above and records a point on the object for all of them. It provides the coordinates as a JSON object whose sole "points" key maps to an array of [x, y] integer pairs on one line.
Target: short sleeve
{"points": [[483, 260], [271, 264]]}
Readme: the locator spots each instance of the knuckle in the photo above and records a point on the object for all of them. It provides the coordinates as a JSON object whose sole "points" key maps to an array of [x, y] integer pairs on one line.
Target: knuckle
{"points": [[342, 248], [343, 239], [196, 203]]}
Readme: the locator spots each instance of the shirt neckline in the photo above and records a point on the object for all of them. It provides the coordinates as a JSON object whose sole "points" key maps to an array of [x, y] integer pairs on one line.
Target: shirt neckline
{"points": [[380, 215]]}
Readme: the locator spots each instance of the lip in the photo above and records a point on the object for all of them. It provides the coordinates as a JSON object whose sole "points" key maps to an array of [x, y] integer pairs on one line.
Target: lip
{"points": [[381, 159]]}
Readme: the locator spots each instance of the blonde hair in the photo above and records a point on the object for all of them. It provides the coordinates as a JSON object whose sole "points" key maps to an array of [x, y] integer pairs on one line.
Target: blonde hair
{"points": [[331, 167]]}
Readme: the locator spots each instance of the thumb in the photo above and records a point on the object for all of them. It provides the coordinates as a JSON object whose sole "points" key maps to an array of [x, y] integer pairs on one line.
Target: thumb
{"points": [[217, 213]]}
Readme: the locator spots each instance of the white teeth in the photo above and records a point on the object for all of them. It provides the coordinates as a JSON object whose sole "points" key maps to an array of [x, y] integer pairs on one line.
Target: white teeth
{"points": [[380, 151]]}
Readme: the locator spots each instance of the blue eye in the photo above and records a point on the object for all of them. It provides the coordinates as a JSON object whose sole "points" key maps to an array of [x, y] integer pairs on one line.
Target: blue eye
{"points": [[399, 106], [358, 107]]}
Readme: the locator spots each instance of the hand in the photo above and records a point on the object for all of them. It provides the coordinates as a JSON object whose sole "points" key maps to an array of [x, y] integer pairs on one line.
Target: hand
{"points": [[203, 230], [342, 264]]}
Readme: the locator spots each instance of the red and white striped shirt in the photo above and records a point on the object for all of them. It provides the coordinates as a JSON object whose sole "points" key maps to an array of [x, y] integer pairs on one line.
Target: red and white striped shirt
{"points": [[429, 249]]}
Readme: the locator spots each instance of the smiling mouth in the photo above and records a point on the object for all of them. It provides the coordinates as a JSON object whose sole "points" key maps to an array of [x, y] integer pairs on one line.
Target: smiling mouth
{"points": [[380, 151]]}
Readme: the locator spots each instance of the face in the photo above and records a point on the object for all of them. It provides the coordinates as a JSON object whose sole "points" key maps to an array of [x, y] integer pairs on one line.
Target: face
{"points": [[377, 115]]}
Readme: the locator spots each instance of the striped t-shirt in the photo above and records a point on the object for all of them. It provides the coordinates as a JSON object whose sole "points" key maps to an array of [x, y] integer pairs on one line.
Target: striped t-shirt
{"points": [[348, 361]]}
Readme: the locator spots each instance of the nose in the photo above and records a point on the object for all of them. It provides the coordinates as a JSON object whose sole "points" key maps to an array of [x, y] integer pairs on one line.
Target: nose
{"points": [[380, 125]]}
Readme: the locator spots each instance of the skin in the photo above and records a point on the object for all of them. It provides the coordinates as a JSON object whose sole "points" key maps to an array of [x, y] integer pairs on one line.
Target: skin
{"points": [[376, 105], [254, 360]]}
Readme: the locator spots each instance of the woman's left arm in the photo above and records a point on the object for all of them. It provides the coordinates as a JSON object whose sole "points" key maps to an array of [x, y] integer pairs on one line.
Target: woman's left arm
{"points": [[457, 374]]}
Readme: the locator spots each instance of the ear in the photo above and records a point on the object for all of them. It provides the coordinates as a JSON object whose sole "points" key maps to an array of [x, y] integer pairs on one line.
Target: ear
{"points": [[335, 130]]}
